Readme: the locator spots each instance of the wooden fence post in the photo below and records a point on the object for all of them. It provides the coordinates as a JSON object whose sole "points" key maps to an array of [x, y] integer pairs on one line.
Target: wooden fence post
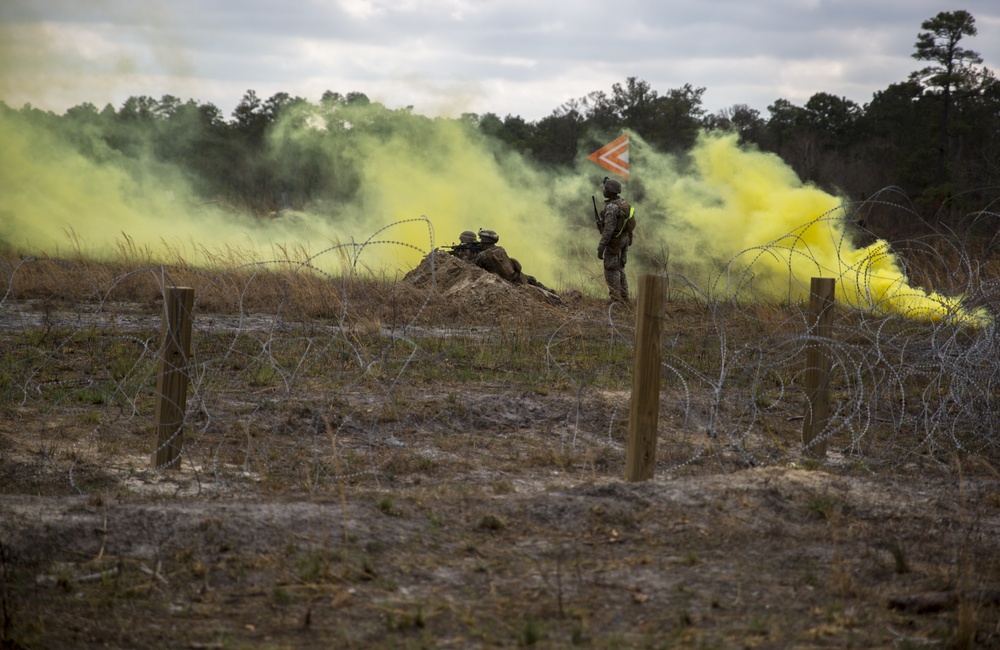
{"points": [[818, 364], [172, 381], [644, 411]]}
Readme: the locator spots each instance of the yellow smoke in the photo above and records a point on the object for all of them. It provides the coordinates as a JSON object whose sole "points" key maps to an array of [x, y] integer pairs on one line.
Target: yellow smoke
{"points": [[456, 181], [730, 208], [749, 208], [54, 200]]}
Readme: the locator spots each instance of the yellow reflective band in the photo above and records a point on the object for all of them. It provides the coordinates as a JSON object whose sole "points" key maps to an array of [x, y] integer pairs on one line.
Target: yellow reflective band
{"points": [[631, 211]]}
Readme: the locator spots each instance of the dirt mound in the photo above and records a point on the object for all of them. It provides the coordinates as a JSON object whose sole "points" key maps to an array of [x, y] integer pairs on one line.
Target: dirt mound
{"points": [[458, 282]]}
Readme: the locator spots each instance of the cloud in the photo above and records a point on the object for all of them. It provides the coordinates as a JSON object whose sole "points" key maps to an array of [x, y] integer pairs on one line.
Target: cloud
{"points": [[513, 57]]}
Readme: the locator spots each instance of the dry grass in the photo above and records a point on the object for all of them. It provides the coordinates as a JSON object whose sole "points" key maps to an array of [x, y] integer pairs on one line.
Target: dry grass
{"points": [[375, 465]]}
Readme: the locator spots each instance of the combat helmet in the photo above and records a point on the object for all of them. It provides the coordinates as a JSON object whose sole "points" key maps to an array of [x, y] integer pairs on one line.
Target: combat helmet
{"points": [[467, 237], [612, 185], [488, 236]]}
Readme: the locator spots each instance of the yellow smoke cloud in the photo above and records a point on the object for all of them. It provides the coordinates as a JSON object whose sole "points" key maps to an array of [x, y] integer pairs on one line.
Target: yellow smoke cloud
{"points": [[52, 199], [750, 208], [410, 166], [729, 208], [459, 185]]}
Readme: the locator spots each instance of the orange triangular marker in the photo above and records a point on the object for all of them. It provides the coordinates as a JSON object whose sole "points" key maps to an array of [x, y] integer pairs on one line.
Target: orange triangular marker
{"points": [[613, 156]]}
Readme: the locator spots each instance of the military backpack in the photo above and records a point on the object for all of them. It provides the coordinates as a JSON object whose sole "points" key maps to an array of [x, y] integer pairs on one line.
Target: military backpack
{"points": [[626, 219]]}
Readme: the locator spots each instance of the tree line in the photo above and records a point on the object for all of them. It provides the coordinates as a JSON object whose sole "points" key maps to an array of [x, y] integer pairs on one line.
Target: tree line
{"points": [[935, 136]]}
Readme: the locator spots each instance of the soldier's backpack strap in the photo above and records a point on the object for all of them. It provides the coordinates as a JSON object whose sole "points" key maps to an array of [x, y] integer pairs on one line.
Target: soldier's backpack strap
{"points": [[631, 217]]}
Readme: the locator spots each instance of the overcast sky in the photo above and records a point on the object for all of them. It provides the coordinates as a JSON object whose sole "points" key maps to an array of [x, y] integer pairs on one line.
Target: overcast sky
{"points": [[446, 57]]}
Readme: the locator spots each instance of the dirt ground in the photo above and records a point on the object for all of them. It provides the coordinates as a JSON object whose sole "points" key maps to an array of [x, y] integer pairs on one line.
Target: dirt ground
{"points": [[471, 530], [770, 557]]}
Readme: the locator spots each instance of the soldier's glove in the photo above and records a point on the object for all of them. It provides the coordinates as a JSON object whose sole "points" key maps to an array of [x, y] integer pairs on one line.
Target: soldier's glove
{"points": [[600, 251]]}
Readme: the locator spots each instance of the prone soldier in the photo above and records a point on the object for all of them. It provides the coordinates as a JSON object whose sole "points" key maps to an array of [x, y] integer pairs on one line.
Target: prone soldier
{"points": [[494, 258], [467, 248]]}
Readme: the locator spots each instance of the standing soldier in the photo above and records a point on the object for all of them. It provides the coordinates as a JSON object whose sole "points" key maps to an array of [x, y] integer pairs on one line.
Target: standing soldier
{"points": [[615, 223]]}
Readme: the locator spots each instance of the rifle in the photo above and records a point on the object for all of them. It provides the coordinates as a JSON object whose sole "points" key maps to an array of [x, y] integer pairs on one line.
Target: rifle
{"points": [[472, 247], [597, 215]]}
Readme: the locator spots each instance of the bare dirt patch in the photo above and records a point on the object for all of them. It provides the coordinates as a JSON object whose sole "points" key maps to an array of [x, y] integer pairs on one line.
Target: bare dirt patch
{"points": [[771, 557]]}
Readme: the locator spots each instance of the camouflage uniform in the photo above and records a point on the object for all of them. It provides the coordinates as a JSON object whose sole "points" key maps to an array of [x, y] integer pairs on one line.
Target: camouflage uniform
{"points": [[495, 259], [615, 240], [468, 249]]}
